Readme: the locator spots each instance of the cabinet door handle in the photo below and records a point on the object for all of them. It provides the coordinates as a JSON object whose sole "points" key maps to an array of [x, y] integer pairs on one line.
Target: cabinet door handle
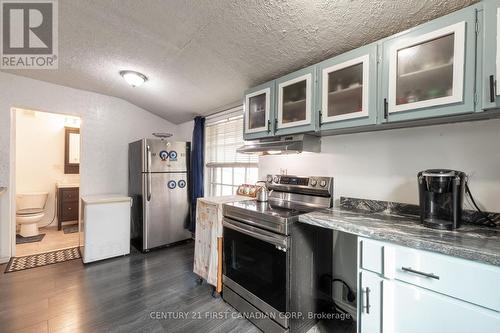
{"points": [[367, 302], [386, 109], [411, 270], [492, 88]]}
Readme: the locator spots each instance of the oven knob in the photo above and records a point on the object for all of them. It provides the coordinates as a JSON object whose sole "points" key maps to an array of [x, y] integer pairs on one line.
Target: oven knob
{"points": [[322, 183], [269, 178], [314, 182], [276, 179]]}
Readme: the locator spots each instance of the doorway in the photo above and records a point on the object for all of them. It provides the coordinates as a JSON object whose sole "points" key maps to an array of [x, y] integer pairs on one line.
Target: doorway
{"points": [[47, 181]]}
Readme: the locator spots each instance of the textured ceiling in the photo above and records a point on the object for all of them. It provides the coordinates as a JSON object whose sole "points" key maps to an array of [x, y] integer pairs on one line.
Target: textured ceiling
{"points": [[201, 55]]}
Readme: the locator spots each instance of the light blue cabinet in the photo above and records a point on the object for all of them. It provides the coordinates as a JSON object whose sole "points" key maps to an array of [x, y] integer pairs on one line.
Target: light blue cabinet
{"points": [[347, 89], [429, 71], [259, 110], [445, 67], [491, 54], [296, 102]]}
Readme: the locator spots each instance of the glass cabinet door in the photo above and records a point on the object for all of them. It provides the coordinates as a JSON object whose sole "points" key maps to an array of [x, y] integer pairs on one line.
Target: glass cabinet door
{"points": [[257, 106], [491, 55], [295, 101], [345, 90], [427, 70], [259, 110]]}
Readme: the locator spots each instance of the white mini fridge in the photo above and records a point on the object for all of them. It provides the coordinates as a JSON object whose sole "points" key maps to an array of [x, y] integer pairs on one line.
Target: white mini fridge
{"points": [[104, 227]]}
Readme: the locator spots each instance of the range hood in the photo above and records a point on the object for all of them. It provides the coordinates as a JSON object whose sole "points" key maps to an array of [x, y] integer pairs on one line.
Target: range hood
{"points": [[290, 144]]}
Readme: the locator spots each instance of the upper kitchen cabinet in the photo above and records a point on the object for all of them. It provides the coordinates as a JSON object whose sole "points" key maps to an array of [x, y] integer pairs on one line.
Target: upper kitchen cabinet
{"points": [[429, 71], [296, 102], [491, 55], [348, 89], [259, 111]]}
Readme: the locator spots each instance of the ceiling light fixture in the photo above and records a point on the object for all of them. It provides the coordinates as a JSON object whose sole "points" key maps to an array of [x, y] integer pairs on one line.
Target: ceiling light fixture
{"points": [[135, 79]]}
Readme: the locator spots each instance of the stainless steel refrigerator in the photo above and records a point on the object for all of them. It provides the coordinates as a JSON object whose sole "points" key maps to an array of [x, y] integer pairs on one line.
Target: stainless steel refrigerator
{"points": [[158, 184]]}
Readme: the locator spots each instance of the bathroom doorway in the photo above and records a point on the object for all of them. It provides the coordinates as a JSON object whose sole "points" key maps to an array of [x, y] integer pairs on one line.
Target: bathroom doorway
{"points": [[47, 181]]}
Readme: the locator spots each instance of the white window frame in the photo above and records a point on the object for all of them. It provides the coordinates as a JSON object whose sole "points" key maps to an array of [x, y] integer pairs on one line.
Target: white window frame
{"points": [[458, 29], [365, 61], [308, 78], [211, 167], [266, 91]]}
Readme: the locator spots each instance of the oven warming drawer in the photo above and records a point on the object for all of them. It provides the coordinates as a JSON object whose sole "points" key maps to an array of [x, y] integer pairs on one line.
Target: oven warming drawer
{"points": [[253, 314]]}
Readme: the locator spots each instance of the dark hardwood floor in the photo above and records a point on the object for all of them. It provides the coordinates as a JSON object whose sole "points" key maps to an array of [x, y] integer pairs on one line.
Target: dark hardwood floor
{"points": [[116, 295]]}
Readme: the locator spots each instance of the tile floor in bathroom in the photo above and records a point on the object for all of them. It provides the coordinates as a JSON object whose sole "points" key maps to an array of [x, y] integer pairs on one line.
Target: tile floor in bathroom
{"points": [[54, 240]]}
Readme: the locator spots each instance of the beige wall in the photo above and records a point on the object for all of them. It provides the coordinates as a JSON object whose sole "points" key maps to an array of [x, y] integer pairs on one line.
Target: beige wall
{"points": [[40, 156]]}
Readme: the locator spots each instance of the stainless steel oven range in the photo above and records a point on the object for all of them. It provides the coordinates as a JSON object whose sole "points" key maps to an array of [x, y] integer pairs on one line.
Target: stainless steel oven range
{"points": [[273, 265]]}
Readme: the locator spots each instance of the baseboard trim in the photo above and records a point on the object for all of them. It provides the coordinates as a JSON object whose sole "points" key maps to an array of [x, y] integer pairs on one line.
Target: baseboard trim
{"points": [[4, 260]]}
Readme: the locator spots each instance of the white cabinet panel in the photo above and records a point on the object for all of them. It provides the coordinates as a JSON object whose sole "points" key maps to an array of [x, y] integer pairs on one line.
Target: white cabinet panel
{"points": [[456, 277], [370, 302], [371, 255], [410, 309]]}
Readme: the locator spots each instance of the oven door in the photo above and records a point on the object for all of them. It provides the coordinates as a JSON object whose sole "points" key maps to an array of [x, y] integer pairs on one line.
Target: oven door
{"points": [[256, 266]]}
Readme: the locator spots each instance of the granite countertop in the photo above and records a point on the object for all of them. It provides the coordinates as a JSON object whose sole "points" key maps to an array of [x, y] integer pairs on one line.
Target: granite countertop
{"points": [[472, 242]]}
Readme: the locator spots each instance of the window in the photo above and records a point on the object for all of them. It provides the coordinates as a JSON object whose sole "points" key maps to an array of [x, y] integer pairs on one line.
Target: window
{"points": [[225, 168]]}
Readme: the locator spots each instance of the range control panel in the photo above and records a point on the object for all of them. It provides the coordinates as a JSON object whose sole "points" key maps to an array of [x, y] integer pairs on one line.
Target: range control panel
{"points": [[312, 182], [288, 180]]}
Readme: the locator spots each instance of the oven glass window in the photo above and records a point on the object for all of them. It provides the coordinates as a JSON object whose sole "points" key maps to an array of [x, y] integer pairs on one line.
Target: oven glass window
{"points": [[257, 266]]}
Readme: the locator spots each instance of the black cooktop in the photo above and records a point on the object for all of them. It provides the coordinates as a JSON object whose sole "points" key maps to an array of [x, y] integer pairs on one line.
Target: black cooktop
{"points": [[278, 208]]}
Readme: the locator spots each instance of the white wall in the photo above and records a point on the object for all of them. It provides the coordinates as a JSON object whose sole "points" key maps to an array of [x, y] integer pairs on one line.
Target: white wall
{"points": [[184, 131], [40, 156], [383, 165], [108, 125]]}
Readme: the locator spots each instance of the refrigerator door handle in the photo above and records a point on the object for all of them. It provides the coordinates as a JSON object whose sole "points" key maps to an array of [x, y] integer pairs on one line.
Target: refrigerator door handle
{"points": [[148, 166]]}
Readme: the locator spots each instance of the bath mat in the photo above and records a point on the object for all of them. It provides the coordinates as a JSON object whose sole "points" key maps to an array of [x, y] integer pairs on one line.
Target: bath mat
{"points": [[32, 239], [42, 259], [69, 229]]}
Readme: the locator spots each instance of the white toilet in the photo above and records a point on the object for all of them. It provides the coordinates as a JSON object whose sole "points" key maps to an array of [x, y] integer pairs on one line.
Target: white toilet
{"points": [[30, 209]]}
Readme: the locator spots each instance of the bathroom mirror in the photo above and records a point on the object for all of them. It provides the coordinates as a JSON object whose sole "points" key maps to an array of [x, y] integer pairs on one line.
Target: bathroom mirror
{"points": [[71, 150]]}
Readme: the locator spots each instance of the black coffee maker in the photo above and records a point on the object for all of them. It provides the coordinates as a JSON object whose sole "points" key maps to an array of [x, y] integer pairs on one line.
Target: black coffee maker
{"points": [[441, 195]]}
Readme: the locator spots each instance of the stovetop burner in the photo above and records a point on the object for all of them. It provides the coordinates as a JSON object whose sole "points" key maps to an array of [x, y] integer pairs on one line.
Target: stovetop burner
{"points": [[279, 208], [291, 197]]}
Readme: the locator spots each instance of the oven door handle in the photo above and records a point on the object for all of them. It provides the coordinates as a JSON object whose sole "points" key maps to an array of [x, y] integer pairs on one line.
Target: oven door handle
{"points": [[279, 241]]}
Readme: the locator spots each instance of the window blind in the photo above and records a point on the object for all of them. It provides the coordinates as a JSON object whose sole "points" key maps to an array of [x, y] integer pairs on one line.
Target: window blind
{"points": [[222, 138]]}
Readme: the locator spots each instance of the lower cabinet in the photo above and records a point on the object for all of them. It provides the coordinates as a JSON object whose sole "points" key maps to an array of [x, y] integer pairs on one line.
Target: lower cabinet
{"points": [[411, 309], [414, 300], [67, 205], [370, 302]]}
